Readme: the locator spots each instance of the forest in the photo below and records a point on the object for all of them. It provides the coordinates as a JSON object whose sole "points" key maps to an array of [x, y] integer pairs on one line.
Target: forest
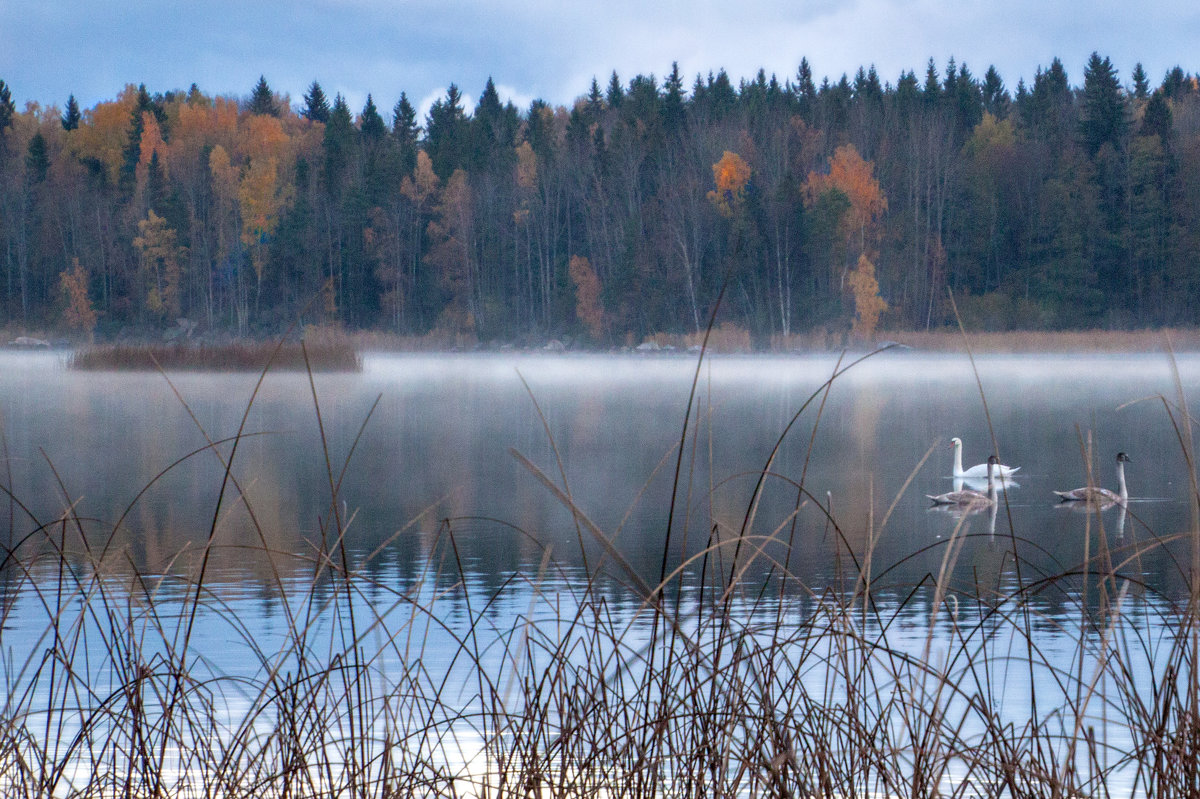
{"points": [[777, 208]]}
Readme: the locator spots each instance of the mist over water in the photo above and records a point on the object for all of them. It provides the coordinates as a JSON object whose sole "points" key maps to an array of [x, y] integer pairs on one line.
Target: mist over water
{"points": [[438, 434]]}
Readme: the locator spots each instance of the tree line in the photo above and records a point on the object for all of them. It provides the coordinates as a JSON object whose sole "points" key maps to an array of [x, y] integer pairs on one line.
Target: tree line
{"points": [[847, 206]]}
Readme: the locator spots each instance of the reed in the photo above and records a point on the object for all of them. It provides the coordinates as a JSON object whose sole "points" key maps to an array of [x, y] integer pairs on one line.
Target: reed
{"points": [[707, 684], [329, 355]]}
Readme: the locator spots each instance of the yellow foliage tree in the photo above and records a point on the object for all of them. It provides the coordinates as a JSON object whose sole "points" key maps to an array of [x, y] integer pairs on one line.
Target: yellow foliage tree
{"points": [[78, 313], [854, 177], [262, 136], [423, 183], [526, 166], [868, 305], [450, 256], [588, 307], [261, 199], [161, 264], [102, 137], [730, 174]]}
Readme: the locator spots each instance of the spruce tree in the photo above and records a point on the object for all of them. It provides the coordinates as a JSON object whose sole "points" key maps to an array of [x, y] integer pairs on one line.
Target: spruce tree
{"points": [[37, 159], [133, 147], [316, 105], [1174, 83], [805, 90], [908, 93], [1156, 121], [406, 132], [995, 98], [262, 101], [71, 117], [595, 101], [539, 127], [372, 125], [615, 93], [7, 108], [1141, 83], [447, 133], [672, 102], [933, 86], [1104, 118], [339, 144]]}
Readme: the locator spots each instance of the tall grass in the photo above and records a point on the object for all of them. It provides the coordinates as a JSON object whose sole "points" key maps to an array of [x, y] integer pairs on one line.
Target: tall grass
{"points": [[238, 356], [702, 683]]}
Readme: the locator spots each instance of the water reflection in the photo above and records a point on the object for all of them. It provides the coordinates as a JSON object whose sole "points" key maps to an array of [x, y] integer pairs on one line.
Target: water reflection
{"points": [[136, 470]]}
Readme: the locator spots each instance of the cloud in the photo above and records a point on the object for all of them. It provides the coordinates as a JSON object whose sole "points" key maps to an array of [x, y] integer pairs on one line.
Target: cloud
{"points": [[551, 51]]}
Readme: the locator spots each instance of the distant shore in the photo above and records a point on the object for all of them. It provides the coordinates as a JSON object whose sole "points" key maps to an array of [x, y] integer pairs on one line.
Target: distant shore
{"points": [[339, 345]]}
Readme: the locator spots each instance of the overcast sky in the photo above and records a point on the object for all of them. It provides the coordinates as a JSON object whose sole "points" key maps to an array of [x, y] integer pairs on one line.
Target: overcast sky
{"points": [[50, 49]]}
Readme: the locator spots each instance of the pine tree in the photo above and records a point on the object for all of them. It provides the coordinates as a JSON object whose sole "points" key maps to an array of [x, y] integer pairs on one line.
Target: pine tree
{"points": [[262, 101], [71, 117], [316, 105]]}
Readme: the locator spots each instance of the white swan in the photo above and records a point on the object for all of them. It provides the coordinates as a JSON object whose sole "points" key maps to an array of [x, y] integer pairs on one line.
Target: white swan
{"points": [[969, 496], [979, 469], [1102, 495]]}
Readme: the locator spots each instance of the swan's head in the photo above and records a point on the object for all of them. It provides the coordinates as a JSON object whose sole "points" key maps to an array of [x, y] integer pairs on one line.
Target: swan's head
{"points": [[956, 443], [1123, 458], [995, 461]]}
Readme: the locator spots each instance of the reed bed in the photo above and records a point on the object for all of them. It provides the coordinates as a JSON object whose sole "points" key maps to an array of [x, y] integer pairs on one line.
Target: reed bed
{"points": [[327, 355], [700, 683]]}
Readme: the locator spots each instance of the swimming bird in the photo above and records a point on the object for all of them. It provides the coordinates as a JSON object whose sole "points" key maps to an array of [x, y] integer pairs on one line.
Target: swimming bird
{"points": [[969, 496], [1102, 495], [979, 469]]}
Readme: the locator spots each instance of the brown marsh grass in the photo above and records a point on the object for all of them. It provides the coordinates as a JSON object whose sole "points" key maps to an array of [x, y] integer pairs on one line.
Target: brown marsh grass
{"points": [[729, 695], [237, 356]]}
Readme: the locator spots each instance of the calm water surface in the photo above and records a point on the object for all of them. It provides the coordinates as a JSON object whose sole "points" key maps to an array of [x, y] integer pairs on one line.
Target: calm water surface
{"points": [[438, 435], [417, 448]]}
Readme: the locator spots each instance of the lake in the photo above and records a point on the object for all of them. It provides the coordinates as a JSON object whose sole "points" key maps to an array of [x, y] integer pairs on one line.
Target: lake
{"points": [[430, 480]]}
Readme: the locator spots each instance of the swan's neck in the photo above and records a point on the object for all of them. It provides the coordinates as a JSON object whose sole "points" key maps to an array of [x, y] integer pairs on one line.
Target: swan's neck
{"points": [[991, 483], [1122, 491], [958, 469]]}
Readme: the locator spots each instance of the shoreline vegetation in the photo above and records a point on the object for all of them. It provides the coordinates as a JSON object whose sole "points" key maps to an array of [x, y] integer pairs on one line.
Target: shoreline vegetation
{"points": [[325, 350]]}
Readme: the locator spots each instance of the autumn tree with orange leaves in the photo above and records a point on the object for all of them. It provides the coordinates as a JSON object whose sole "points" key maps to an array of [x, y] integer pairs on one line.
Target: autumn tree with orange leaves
{"points": [[868, 305], [588, 307], [78, 313], [730, 174], [853, 178]]}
